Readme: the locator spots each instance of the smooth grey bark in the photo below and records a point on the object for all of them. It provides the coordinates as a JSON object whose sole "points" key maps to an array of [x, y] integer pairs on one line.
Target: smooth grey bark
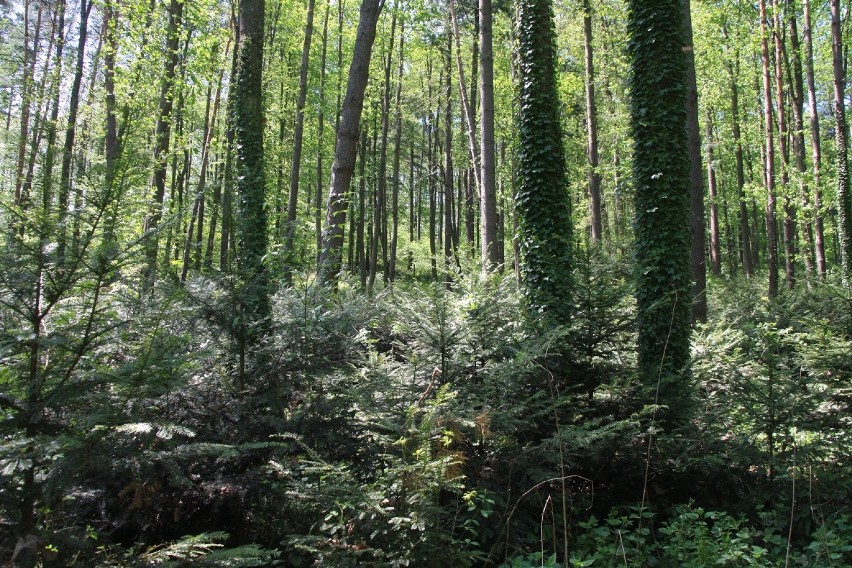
{"points": [[298, 130], [347, 142]]}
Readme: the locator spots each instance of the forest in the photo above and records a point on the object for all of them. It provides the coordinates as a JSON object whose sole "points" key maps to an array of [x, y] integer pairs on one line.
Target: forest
{"points": [[427, 283]]}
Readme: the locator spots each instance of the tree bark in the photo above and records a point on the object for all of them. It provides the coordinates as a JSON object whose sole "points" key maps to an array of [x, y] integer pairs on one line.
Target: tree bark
{"points": [[488, 197], [769, 161], [796, 81], [163, 140], [592, 154], [789, 224], [844, 200], [347, 141], [696, 180], [816, 152], [251, 216], [745, 232], [298, 129], [396, 159], [71, 132], [715, 248]]}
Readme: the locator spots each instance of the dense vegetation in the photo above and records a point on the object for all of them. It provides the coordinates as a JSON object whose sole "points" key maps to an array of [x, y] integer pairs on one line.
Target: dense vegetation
{"points": [[263, 307]]}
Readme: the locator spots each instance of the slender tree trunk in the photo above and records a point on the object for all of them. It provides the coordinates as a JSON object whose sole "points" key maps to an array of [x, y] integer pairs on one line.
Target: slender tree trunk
{"points": [[449, 187], [844, 199], [163, 140], [819, 233], [715, 249], [28, 65], [789, 223], [71, 132], [396, 158], [198, 206], [769, 162], [592, 131], [47, 175], [380, 213], [320, 128], [796, 81], [296, 158], [469, 111], [696, 180], [488, 196], [347, 141], [745, 236], [217, 188]]}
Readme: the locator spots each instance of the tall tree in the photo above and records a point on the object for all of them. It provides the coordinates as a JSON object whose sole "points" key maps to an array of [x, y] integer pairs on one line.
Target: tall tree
{"points": [[488, 191], [696, 180], [783, 138], [541, 202], [347, 143], [797, 139], [844, 199], [251, 215], [162, 139], [71, 131], [592, 153], [745, 233], [661, 176], [816, 151], [296, 156], [769, 157]]}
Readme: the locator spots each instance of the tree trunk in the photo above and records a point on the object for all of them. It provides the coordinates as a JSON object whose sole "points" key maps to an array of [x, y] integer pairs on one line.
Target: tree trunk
{"points": [[47, 176], [163, 139], [449, 188], [796, 81], [320, 128], [347, 141], [396, 159], [71, 132], [745, 234], [769, 161], [592, 131], [250, 218], [844, 200], [715, 249], [789, 224], [696, 180], [816, 152], [298, 129], [488, 196], [661, 174], [542, 202]]}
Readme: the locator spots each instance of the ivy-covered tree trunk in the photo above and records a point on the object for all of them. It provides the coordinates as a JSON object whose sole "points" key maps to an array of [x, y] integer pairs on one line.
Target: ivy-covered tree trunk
{"points": [[661, 170], [250, 213], [542, 203], [844, 200], [347, 143]]}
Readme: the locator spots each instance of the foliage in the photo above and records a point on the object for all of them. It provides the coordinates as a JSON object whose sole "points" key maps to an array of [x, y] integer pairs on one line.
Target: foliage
{"points": [[541, 200], [661, 181]]}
